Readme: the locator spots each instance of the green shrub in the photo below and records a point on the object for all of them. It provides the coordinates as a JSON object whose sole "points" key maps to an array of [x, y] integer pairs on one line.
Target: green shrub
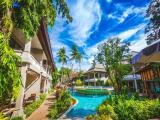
{"points": [[61, 105], [54, 112], [137, 110], [79, 82], [2, 117], [29, 109], [107, 110], [123, 107], [98, 117], [17, 118]]}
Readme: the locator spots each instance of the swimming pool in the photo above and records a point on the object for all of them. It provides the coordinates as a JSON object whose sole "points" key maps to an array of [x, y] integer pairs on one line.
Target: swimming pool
{"points": [[87, 105]]}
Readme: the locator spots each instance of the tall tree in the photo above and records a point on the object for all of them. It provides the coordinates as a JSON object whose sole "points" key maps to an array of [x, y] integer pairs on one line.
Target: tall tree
{"points": [[79, 60], [111, 55], [153, 27], [74, 55], [62, 57]]}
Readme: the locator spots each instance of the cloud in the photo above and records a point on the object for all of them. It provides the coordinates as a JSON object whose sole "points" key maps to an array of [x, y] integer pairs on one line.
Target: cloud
{"points": [[121, 16], [139, 44], [86, 15], [128, 33]]}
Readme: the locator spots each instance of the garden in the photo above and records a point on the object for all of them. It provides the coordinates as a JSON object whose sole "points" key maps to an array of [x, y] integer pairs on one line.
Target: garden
{"points": [[122, 107]]}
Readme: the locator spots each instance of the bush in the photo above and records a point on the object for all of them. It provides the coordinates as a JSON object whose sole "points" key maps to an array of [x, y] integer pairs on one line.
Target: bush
{"points": [[62, 103], [107, 110], [123, 107], [33, 106], [2, 117], [79, 82], [17, 118], [98, 117]]}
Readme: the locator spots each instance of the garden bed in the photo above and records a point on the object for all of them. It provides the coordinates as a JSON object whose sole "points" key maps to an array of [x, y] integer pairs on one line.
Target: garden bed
{"points": [[63, 102]]}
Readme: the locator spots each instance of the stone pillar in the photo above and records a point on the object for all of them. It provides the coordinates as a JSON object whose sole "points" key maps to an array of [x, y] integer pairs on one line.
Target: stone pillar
{"points": [[45, 85], [20, 98], [19, 101], [40, 80]]}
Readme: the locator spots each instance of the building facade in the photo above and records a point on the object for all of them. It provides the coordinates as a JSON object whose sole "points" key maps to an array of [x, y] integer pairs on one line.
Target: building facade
{"points": [[147, 64], [96, 75], [36, 67]]}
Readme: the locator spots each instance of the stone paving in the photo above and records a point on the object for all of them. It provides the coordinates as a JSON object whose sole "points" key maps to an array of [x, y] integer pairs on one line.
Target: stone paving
{"points": [[42, 112]]}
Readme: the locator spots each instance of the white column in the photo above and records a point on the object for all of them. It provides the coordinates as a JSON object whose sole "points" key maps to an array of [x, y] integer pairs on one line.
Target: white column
{"points": [[20, 98], [19, 101], [27, 47]]}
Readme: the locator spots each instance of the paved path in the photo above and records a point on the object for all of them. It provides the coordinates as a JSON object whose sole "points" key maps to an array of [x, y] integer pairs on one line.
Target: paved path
{"points": [[42, 112]]}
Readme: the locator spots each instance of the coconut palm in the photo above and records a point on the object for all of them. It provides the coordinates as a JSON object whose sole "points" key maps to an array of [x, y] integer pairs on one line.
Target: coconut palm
{"points": [[62, 57], [74, 55], [79, 59]]}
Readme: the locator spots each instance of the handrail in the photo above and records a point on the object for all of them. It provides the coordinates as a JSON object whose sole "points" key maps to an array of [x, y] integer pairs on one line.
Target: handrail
{"points": [[31, 84], [34, 59]]}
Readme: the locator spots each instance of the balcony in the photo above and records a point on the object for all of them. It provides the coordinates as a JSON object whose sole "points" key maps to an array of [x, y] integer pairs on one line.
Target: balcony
{"points": [[33, 63]]}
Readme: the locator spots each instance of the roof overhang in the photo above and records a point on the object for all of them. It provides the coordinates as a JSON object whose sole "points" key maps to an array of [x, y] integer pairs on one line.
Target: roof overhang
{"points": [[147, 55], [45, 42]]}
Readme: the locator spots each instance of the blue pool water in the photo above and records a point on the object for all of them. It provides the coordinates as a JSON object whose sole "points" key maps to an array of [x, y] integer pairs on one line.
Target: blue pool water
{"points": [[86, 105]]}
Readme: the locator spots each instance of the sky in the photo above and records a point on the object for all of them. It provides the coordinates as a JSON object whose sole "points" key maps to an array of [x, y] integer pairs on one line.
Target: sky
{"points": [[94, 22]]}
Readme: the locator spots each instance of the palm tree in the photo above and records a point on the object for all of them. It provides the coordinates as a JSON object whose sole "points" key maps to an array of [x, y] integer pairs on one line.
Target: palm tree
{"points": [[79, 59], [74, 55], [62, 57]]}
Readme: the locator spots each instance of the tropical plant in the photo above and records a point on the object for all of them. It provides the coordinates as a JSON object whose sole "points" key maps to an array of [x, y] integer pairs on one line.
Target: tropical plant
{"points": [[153, 27], [62, 58], [66, 73], [79, 82], [2, 117], [17, 118], [111, 55], [76, 56], [56, 76], [10, 79], [122, 107], [61, 104]]}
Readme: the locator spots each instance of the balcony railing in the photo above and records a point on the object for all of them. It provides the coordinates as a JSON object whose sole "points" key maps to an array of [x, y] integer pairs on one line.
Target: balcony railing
{"points": [[33, 63]]}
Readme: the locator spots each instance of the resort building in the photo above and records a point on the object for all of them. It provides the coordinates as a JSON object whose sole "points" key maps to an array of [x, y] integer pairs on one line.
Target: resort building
{"points": [[37, 65], [96, 74], [133, 82], [147, 64]]}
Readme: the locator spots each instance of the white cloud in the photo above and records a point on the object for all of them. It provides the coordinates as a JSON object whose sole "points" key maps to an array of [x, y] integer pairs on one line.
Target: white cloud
{"points": [[127, 34], [139, 44], [86, 14], [126, 12]]}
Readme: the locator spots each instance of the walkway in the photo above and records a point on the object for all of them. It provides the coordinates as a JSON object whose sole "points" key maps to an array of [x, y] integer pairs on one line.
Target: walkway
{"points": [[42, 112]]}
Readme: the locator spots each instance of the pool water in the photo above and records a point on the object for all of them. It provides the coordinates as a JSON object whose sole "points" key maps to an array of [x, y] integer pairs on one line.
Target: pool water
{"points": [[87, 105]]}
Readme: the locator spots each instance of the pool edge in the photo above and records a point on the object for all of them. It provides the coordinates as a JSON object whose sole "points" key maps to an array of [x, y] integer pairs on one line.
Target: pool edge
{"points": [[64, 115]]}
